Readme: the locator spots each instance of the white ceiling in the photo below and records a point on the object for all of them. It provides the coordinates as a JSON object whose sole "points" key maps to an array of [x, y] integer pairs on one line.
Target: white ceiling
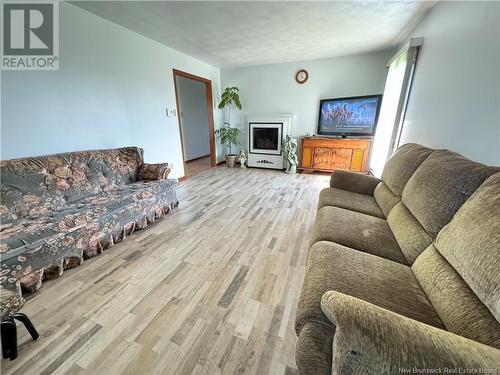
{"points": [[228, 34]]}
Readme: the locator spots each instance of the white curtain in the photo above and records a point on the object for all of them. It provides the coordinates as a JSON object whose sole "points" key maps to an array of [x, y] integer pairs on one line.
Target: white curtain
{"points": [[388, 117]]}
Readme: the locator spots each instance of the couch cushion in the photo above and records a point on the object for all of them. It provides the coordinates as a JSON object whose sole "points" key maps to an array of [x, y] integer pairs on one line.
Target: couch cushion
{"points": [[442, 183], [471, 243], [460, 310], [350, 201], [15, 236], [81, 229], [357, 230], [18, 235], [376, 280], [33, 186], [111, 201], [402, 164], [385, 198], [412, 238]]}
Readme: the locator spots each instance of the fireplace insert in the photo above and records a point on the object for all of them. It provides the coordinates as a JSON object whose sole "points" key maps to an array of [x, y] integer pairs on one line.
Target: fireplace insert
{"points": [[265, 135], [265, 138]]}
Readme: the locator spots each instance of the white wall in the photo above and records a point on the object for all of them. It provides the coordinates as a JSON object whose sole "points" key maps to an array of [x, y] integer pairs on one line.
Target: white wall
{"points": [[193, 107], [111, 90], [455, 99], [272, 88]]}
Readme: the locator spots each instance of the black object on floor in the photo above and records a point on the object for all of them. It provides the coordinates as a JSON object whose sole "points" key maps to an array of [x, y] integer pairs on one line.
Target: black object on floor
{"points": [[9, 334]]}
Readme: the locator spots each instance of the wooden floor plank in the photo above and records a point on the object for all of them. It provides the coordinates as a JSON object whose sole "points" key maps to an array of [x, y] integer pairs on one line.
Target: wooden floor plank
{"points": [[211, 288]]}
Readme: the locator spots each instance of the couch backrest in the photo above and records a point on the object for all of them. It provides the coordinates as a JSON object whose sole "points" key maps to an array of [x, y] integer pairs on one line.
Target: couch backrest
{"points": [[397, 171], [437, 188], [30, 186], [440, 185], [460, 273]]}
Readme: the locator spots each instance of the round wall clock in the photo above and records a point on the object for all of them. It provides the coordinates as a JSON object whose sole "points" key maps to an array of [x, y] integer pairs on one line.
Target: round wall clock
{"points": [[301, 76]]}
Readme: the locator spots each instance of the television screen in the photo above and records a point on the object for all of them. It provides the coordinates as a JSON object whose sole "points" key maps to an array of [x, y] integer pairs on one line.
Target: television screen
{"points": [[349, 116]]}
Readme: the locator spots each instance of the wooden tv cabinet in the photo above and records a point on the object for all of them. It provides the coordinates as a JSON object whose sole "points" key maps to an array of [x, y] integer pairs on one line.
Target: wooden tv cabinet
{"points": [[326, 154]]}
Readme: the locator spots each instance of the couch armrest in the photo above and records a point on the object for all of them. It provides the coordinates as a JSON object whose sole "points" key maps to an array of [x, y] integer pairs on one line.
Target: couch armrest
{"points": [[158, 171], [371, 340], [354, 182]]}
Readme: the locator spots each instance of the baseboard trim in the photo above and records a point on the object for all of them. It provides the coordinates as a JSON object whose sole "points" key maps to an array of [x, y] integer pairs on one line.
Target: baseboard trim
{"points": [[199, 157], [224, 162]]}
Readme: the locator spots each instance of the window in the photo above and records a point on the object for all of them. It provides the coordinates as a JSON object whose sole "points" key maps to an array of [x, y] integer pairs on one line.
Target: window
{"points": [[396, 93]]}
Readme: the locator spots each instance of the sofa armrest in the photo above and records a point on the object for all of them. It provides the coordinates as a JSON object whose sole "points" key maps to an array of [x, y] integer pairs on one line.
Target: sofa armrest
{"points": [[371, 340], [354, 182], [158, 171]]}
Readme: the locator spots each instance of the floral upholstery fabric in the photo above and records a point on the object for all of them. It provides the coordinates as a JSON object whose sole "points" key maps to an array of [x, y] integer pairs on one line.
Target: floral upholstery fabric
{"points": [[58, 210], [153, 171], [33, 186], [10, 302]]}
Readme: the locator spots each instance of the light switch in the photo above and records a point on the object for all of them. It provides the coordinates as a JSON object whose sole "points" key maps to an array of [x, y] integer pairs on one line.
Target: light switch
{"points": [[171, 112]]}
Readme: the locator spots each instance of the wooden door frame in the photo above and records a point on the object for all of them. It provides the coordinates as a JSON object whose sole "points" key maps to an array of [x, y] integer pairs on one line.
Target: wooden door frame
{"points": [[210, 109]]}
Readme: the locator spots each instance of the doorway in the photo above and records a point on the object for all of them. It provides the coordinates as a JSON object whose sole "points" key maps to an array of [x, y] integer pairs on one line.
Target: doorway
{"points": [[196, 121]]}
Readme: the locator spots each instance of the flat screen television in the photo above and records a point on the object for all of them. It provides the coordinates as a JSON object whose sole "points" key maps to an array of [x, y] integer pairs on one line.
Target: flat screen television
{"points": [[353, 116]]}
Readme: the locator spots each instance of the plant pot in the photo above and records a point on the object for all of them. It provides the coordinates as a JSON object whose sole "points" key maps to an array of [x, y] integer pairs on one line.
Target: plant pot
{"points": [[230, 159]]}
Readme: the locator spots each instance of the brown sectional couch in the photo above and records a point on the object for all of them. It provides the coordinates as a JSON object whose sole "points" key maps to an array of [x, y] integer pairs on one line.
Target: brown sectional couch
{"points": [[403, 272]]}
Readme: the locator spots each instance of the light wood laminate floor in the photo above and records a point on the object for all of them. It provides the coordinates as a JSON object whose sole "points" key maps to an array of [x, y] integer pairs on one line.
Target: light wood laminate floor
{"points": [[196, 166], [210, 289]]}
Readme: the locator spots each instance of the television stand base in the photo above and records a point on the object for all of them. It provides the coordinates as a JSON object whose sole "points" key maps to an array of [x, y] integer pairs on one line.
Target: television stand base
{"points": [[324, 154]]}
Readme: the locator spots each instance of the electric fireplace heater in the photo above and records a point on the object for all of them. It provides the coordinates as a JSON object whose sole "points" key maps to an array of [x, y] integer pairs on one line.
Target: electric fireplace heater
{"points": [[265, 144], [266, 138]]}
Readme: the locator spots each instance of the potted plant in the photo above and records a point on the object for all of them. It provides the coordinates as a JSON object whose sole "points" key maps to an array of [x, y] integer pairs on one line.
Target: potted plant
{"points": [[227, 135]]}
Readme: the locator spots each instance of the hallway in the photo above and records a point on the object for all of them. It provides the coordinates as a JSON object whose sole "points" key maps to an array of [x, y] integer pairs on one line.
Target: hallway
{"points": [[196, 166]]}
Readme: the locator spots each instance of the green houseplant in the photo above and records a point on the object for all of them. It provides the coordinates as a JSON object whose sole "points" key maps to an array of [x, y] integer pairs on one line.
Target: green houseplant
{"points": [[227, 135]]}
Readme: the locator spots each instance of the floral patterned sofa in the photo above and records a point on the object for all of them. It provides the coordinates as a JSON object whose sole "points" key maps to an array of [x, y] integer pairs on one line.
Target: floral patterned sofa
{"points": [[58, 210]]}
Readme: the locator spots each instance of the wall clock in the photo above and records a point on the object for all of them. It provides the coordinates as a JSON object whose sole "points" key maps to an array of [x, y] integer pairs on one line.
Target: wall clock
{"points": [[301, 76]]}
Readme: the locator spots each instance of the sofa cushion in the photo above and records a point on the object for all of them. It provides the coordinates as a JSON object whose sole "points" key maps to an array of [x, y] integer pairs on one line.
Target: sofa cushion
{"points": [[402, 164], [412, 238], [442, 183], [385, 198], [17, 236], [358, 231], [471, 243], [376, 280], [111, 201], [460, 310], [157, 171], [81, 229], [350, 201], [33, 186]]}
